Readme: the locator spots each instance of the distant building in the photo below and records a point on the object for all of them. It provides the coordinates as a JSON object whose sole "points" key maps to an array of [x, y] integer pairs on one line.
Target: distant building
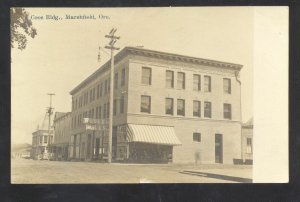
{"points": [[247, 141], [41, 139], [62, 131], [167, 107]]}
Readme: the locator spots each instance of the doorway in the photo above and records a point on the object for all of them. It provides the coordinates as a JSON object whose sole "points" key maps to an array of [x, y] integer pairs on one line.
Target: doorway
{"points": [[218, 148]]}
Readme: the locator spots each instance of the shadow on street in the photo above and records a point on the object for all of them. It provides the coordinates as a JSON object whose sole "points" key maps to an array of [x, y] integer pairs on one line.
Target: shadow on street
{"points": [[217, 176]]}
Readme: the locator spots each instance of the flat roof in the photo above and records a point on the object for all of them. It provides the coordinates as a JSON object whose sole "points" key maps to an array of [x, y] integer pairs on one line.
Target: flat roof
{"points": [[155, 54]]}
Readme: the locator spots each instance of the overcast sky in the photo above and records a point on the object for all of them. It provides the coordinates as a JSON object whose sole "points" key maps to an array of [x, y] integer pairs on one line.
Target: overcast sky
{"points": [[64, 52]]}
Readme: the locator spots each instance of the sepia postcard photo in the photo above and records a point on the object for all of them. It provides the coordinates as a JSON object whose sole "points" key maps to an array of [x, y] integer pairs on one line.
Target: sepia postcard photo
{"points": [[137, 95]]}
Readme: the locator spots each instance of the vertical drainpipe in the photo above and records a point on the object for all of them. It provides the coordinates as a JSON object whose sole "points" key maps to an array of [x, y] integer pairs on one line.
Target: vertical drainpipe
{"points": [[237, 77]]}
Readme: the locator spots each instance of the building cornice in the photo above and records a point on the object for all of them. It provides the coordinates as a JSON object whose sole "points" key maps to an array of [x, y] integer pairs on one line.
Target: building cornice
{"points": [[159, 55]]}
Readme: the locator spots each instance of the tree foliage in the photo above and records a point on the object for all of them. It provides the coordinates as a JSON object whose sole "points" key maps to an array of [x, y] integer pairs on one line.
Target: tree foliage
{"points": [[20, 26]]}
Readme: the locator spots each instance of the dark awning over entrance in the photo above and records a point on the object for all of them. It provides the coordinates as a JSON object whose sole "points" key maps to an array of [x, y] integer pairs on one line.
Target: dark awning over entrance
{"points": [[164, 135]]}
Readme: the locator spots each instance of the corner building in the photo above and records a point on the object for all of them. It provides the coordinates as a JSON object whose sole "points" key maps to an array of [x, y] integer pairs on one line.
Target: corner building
{"points": [[167, 107]]}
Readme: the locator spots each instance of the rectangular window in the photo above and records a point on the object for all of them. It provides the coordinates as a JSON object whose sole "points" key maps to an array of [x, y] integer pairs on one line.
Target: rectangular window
{"points": [[227, 111], [207, 109], [104, 111], [145, 104], [146, 76], [116, 81], [180, 107], [94, 90], [97, 113], [100, 111], [227, 86], [169, 79], [108, 85], [122, 104], [91, 95], [196, 108], [196, 82], [181, 80], [41, 139], [115, 107], [93, 111], [78, 120], [107, 110], [169, 106], [249, 145], [45, 139], [197, 137], [207, 84], [105, 87], [98, 89], [123, 77], [101, 87], [86, 98]]}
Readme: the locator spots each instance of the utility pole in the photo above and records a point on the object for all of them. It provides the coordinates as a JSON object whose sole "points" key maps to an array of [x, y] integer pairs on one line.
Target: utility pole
{"points": [[50, 112], [113, 40]]}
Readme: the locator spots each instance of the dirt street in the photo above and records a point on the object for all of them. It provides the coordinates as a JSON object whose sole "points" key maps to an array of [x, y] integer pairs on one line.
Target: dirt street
{"points": [[25, 171]]}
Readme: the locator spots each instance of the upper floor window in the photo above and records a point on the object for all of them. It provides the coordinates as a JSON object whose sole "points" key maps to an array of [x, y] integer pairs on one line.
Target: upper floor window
{"points": [[93, 94], [169, 79], [97, 113], [105, 86], [123, 77], [196, 82], [207, 84], [122, 104], [115, 107], [80, 100], [45, 139], [146, 76], [169, 106], [180, 80], [180, 107], [145, 104], [197, 137], [100, 115], [196, 108], [227, 86], [108, 85], [104, 110], [107, 110], [227, 111], [86, 96], [98, 91], [116, 81], [249, 146], [207, 109], [101, 87]]}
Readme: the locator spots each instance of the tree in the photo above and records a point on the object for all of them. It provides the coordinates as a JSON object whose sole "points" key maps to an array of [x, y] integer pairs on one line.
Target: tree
{"points": [[20, 26]]}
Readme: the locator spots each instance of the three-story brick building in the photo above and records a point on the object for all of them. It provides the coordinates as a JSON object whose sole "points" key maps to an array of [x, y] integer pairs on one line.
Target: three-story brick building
{"points": [[166, 106]]}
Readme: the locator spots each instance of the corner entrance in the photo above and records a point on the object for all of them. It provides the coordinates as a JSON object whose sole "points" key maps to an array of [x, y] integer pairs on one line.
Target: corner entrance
{"points": [[218, 148]]}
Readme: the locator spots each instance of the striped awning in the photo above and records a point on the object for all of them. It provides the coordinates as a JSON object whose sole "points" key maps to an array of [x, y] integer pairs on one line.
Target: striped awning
{"points": [[164, 135]]}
